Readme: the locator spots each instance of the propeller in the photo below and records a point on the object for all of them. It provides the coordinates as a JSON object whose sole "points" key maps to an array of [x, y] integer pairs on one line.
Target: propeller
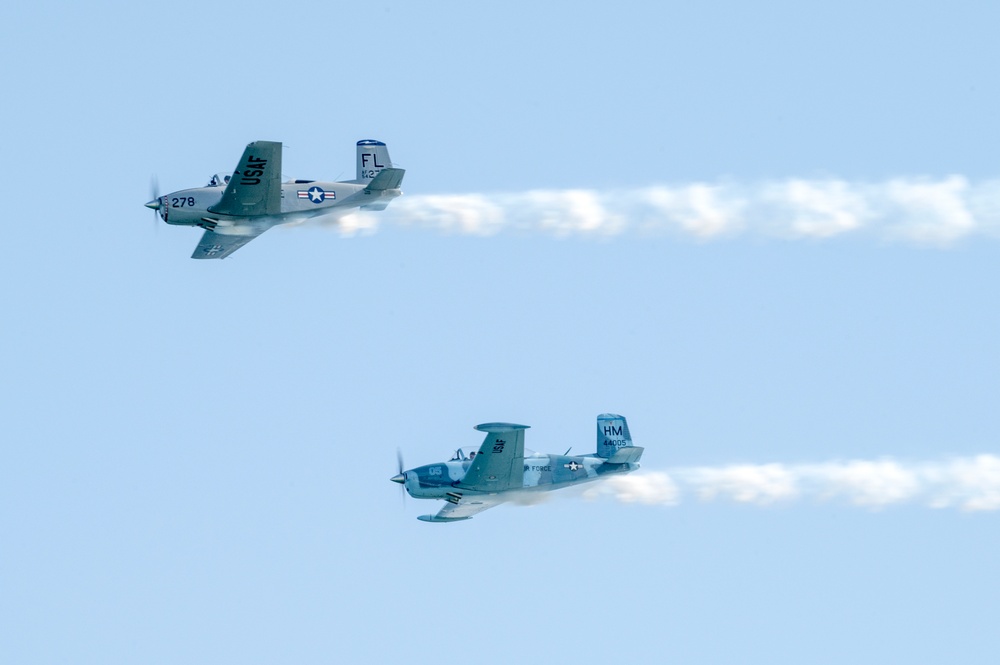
{"points": [[154, 201], [400, 476]]}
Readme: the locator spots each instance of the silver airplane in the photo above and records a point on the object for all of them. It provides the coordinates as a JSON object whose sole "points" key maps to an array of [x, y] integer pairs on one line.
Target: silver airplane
{"points": [[501, 469], [235, 209]]}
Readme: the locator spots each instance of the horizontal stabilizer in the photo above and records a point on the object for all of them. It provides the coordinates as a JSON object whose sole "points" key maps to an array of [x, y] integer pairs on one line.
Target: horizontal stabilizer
{"points": [[626, 455], [387, 178]]}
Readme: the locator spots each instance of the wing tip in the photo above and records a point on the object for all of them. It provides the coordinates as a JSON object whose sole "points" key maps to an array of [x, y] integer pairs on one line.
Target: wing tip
{"points": [[436, 518], [500, 427]]}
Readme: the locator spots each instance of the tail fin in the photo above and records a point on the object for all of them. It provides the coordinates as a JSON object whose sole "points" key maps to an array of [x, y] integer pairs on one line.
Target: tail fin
{"points": [[612, 434], [373, 156]]}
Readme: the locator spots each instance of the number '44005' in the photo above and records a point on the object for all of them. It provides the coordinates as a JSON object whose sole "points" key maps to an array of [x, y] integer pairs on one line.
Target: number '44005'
{"points": [[182, 202]]}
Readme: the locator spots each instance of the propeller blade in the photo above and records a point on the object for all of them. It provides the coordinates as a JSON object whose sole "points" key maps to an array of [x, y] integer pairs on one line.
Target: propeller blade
{"points": [[400, 477], [154, 200]]}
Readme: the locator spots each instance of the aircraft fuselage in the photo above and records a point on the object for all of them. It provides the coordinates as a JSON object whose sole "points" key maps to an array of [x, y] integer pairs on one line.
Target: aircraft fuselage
{"points": [[541, 473], [300, 201]]}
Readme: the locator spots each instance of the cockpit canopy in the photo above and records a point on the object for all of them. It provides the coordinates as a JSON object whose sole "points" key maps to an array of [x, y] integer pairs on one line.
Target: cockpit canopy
{"points": [[465, 454], [219, 180]]}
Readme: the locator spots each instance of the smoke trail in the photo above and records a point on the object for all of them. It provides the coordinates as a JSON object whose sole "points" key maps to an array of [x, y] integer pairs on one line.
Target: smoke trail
{"points": [[966, 483], [926, 211]]}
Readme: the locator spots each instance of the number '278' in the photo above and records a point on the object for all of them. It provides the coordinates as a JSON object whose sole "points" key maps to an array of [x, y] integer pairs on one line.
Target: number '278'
{"points": [[181, 202]]}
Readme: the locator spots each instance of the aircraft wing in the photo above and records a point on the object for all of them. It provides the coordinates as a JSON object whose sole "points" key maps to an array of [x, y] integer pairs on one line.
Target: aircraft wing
{"points": [[218, 245], [255, 187], [499, 464], [463, 508]]}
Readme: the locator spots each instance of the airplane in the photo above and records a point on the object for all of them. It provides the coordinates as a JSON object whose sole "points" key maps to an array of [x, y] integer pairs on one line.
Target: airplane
{"points": [[235, 209], [501, 469]]}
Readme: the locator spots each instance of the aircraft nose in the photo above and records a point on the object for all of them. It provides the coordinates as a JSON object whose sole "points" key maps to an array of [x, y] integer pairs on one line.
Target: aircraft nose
{"points": [[399, 478], [154, 204]]}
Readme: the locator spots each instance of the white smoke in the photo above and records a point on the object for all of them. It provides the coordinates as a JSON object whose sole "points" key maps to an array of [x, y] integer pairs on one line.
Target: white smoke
{"points": [[926, 211], [967, 483]]}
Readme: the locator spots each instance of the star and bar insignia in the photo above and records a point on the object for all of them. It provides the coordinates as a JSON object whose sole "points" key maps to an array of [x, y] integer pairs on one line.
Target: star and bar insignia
{"points": [[316, 194]]}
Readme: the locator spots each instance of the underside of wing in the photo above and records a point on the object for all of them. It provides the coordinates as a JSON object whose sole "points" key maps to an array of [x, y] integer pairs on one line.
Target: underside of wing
{"points": [[218, 245], [463, 508], [255, 187]]}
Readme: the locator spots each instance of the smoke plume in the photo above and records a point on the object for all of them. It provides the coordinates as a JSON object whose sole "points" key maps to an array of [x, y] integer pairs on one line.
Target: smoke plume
{"points": [[965, 483], [925, 211]]}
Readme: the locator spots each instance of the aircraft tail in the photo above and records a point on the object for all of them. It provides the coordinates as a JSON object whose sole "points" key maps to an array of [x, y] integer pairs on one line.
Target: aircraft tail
{"points": [[613, 436], [373, 156]]}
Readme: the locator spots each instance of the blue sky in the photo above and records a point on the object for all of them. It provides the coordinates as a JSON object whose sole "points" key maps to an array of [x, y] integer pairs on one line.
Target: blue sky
{"points": [[196, 454]]}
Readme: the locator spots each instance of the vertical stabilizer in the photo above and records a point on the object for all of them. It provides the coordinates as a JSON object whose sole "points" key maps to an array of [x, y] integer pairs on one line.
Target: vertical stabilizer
{"points": [[612, 434], [373, 156]]}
